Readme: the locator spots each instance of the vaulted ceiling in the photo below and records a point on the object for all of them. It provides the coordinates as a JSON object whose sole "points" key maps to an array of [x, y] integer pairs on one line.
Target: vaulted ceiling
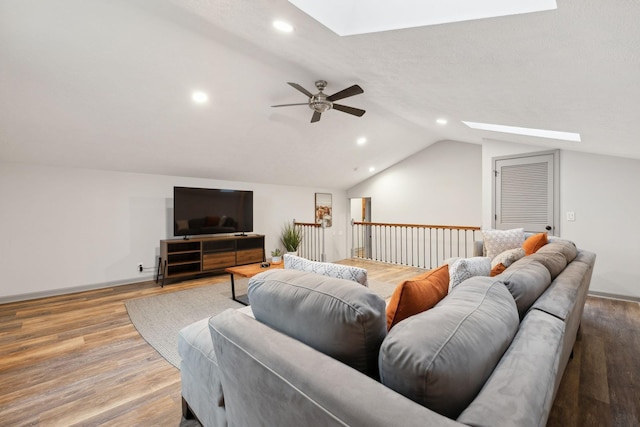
{"points": [[108, 84]]}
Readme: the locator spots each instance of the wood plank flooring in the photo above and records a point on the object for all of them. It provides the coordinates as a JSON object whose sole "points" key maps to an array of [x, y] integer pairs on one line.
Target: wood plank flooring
{"points": [[76, 360]]}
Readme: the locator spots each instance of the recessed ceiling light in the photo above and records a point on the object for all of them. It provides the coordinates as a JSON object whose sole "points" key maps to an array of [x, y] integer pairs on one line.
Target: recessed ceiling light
{"points": [[441, 121], [540, 133], [199, 97], [362, 140], [371, 169], [285, 27]]}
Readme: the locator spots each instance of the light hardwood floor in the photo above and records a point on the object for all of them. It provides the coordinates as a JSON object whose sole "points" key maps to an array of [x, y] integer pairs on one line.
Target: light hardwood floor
{"points": [[76, 360]]}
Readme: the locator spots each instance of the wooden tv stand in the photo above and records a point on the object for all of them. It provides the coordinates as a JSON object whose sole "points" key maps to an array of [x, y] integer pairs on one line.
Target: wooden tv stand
{"points": [[207, 254]]}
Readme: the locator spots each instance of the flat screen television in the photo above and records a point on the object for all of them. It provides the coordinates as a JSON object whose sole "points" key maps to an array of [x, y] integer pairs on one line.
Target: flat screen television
{"points": [[211, 211]]}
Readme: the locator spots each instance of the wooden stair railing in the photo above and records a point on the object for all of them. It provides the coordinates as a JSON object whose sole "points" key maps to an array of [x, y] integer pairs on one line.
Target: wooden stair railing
{"points": [[416, 245], [312, 245]]}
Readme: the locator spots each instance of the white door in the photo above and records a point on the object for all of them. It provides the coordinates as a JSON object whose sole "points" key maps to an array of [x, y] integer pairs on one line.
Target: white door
{"points": [[526, 192], [366, 217], [361, 246]]}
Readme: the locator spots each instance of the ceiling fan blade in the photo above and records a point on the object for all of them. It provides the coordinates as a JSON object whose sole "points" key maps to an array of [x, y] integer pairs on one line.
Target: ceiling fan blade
{"points": [[350, 110], [345, 93], [289, 105], [300, 88], [315, 117]]}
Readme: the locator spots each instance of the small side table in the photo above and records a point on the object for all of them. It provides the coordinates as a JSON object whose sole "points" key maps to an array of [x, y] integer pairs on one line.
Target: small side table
{"points": [[248, 270]]}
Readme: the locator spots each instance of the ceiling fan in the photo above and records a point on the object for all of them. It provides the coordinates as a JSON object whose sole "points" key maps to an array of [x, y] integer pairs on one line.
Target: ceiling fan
{"points": [[321, 102]]}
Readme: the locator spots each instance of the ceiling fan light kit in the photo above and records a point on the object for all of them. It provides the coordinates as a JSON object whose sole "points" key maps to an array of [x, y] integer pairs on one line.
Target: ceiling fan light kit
{"points": [[321, 102]]}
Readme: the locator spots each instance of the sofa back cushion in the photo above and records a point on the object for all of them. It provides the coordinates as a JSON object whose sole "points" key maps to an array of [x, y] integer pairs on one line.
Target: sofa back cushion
{"points": [[565, 247], [556, 255], [442, 357], [554, 262], [329, 269], [526, 280], [338, 317]]}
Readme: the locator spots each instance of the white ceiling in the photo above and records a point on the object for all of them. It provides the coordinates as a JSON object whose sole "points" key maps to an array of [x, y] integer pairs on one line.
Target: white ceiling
{"points": [[107, 85]]}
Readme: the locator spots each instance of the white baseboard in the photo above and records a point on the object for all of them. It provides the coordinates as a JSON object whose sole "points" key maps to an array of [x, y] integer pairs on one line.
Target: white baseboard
{"points": [[614, 296], [72, 290]]}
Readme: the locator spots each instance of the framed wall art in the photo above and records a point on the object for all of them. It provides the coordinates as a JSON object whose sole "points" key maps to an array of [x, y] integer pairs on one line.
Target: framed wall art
{"points": [[323, 209]]}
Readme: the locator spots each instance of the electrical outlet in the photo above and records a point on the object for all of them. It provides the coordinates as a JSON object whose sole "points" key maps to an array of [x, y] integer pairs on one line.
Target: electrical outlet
{"points": [[140, 267]]}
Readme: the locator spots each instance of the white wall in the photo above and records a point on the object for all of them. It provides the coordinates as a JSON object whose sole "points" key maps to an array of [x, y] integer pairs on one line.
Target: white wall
{"points": [[67, 229], [356, 209], [602, 192], [440, 185]]}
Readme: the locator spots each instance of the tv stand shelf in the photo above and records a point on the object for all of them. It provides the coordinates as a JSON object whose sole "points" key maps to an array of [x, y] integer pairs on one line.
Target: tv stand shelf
{"points": [[207, 254]]}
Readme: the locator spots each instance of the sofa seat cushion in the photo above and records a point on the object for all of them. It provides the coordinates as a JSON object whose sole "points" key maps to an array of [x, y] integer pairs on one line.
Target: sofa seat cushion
{"points": [[329, 269], [526, 280], [520, 390], [441, 358], [338, 317], [417, 294]]}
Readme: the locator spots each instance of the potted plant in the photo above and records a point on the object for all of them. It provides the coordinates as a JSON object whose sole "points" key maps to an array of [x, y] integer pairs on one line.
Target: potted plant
{"points": [[276, 256], [291, 237]]}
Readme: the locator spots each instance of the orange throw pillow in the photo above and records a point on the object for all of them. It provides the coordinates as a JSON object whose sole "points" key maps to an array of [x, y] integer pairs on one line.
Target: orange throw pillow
{"points": [[533, 243], [418, 294], [499, 268]]}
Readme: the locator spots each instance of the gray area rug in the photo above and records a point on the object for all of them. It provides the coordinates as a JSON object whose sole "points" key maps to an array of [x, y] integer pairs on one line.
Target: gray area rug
{"points": [[159, 318], [383, 289]]}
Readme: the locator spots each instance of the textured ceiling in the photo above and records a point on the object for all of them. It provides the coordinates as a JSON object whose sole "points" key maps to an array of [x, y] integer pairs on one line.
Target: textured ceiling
{"points": [[107, 85]]}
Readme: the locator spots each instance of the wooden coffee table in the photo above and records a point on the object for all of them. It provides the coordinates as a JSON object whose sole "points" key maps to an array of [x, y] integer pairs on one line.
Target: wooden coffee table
{"points": [[248, 270]]}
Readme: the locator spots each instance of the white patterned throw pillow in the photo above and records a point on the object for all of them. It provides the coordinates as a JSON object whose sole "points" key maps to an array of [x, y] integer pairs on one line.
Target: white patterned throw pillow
{"points": [[507, 258], [498, 241], [355, 274], [465, 268]]}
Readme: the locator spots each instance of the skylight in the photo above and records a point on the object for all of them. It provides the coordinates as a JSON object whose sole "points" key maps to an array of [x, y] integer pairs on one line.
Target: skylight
{"points": [[349, 17], [540, 133]]}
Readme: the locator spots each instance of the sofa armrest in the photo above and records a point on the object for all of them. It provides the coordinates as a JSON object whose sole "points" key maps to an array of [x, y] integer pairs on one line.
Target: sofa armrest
{"points": [[521, 389], [269, 378]]}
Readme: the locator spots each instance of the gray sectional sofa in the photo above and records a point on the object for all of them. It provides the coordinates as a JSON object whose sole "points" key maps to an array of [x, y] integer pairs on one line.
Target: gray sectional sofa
{"points": [[491, 353]]}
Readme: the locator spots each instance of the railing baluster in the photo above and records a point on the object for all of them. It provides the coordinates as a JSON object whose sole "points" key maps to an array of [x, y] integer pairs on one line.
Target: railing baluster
{"points": [[395, 243], [424, 247], [401, 243], [311, 245]]}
